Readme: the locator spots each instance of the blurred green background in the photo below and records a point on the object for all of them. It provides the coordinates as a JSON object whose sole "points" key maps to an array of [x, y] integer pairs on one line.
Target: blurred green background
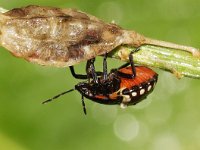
{"points": [[168, 119]]}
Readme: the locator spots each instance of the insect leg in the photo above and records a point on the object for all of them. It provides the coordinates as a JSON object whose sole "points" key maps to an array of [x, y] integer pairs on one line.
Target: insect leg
{"points": [[81, 76], [77, 76], [120, 73], [131, 60], [83, 104], [90, 70], [132, 64], [124, 65], [105, 74]]}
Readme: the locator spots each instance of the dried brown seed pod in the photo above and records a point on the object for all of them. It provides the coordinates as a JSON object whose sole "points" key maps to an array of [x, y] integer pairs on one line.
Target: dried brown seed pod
{"points": [[64, 37]]}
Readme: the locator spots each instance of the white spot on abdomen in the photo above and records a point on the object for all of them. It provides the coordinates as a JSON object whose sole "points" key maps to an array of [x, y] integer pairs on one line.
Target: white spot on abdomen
{"points": [[149, 87], [142, 91], [134, 94]]}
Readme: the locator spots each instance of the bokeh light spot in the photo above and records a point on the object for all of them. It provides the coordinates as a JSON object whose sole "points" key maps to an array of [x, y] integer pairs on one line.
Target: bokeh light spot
{"points": [[126, 127], [166, 142]]}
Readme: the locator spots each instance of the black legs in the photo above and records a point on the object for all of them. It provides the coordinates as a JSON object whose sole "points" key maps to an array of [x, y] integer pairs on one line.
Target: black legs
{"points": [[97, 76], [92, 73], [132, 64], [77, 76], [83, 104], [105, 74], [90, 70], [132, 61]]}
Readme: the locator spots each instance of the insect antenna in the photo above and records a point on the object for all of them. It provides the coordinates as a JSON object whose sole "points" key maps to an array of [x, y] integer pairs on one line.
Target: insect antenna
{"points": [[55, 97]]}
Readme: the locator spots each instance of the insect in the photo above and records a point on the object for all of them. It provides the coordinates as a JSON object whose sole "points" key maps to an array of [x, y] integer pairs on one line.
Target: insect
{"points": [[117, 87], [65, 37]]}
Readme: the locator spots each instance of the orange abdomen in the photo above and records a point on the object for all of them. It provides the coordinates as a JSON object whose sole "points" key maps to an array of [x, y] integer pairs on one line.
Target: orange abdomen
{"points": [[143, 74]]}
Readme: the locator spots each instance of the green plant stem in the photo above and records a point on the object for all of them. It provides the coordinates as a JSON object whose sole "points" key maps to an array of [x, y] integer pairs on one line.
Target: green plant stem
{"points": [[180, 63]]}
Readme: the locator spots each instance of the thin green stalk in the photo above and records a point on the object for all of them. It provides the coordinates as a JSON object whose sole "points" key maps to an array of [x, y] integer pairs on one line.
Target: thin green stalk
{"points": [[180, 63]]}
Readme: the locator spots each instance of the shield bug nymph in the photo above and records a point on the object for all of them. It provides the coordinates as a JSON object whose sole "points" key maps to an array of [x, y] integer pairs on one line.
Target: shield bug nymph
{"points": [[118, 87]]}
